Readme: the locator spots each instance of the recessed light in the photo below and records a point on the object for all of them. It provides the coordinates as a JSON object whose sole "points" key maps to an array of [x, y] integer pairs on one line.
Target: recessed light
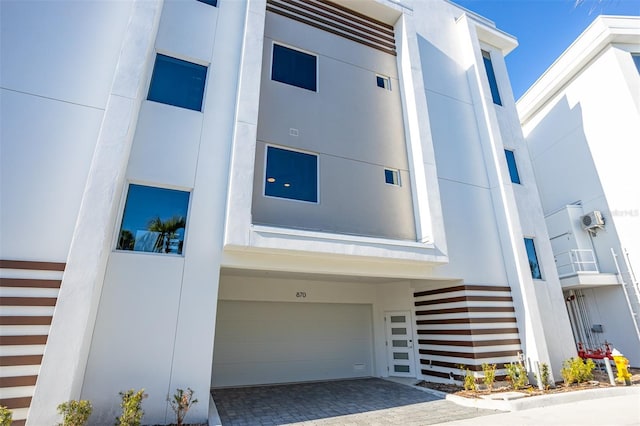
{"points": [[271, 180], [287, 185]]}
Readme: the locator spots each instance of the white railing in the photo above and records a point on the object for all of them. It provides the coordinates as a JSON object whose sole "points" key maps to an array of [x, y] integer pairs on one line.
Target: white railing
{"points": [[574, 261]]}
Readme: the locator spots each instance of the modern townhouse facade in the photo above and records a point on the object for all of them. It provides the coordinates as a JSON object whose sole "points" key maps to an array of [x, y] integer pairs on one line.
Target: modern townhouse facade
{"points": [[581, 120], [223, 193]]}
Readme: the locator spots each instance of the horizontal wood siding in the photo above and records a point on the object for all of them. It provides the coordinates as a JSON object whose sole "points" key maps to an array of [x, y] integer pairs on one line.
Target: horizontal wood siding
{"points": [[31, 297], [465, 325]]}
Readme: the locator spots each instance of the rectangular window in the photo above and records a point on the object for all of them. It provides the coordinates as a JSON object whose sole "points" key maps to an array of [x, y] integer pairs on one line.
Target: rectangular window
{"points": [[291, 174], [511, 163], [391, 177], [493, 84], [636, 60], [533, 259], [177, 82], [154, 220], [383, 82], [294, 67], [213, 3]]}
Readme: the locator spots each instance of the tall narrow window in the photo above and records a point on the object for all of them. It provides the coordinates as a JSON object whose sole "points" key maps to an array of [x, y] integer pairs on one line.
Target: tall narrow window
{"points": [[293, 67], [154, 220], [511, 163], [177, 82], [636, 60], [533, 259], [491, 75]]}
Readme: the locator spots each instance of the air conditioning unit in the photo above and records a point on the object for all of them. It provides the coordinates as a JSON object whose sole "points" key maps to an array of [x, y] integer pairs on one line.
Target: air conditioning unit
{"points": [[592, 221]]}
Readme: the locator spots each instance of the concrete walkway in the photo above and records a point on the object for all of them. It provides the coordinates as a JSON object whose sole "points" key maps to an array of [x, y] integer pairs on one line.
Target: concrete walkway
{"points": [[343, 402]]}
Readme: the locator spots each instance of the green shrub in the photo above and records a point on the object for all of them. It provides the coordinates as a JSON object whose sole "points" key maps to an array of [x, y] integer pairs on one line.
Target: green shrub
{"points": [[75, 413], [5, 416], [469, 379], [545, 375], [181, 403], [489, 375], [576, 370], [517, 375], [131, 408]]}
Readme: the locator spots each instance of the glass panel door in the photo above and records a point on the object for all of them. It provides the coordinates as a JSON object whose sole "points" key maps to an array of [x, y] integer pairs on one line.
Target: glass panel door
{"points": [[399, 344]]}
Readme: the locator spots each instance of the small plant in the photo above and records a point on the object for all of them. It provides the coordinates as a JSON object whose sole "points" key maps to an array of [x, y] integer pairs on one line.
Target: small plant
{"points": [[545, 375], [5, 416], [575, 370], [469, 379], [181, 403], [131, 408], [75, 413], [489, 372], [517, 375]]}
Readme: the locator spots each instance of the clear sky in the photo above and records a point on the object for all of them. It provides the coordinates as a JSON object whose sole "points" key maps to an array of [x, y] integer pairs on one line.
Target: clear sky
{"points": [[544, 29]]}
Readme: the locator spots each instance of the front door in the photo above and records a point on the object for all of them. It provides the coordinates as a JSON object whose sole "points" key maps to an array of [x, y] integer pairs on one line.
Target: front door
{"points": [[399, 344]]}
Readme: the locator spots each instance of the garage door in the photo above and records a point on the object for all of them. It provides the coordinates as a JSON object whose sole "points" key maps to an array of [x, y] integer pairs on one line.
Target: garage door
{"points": [[279, 342]]}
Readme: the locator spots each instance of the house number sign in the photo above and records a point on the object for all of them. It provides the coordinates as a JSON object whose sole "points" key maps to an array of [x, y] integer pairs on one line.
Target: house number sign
{"points": [[301, 294]]}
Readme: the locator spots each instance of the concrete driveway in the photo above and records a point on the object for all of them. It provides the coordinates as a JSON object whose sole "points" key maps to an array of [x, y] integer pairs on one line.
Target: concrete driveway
{"points": [[367, 401]]}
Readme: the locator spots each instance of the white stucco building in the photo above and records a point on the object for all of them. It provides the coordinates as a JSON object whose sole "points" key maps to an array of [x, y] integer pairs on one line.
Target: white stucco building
{"points": [[581, 120], [221, 193]]}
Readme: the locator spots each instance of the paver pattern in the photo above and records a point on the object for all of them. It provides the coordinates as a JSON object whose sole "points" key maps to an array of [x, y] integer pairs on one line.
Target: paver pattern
{"points": [[344, 402]]}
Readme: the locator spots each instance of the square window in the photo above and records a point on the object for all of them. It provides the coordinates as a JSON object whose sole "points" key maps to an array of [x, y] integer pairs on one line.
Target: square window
{"points": [[491, 75], [383, 82], [154, 220], [391, 177], [213, 3], [533, 259], [511, 163], [294, 67], [177, 82], [291, 174]]}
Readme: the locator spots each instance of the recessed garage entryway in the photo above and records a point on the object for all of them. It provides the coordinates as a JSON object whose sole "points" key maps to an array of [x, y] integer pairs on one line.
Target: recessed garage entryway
{"points": [[283, 342]]}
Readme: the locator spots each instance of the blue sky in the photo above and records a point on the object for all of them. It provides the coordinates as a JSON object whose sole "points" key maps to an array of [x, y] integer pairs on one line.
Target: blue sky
{"points": [[544, 29]]}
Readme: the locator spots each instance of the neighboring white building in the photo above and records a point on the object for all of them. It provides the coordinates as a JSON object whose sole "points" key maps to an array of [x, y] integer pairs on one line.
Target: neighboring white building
{"points": [[581, 120], [247, 192]]}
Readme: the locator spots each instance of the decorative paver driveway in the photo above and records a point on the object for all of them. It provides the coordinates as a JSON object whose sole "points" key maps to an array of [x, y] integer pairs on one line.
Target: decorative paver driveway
{"points": [[344, 402]]}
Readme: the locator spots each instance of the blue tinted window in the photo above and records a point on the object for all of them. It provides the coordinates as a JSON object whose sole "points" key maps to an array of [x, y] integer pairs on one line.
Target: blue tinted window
{"points": [[380, 81], [291, 174], [154, 220], [391, 177], [293, 67], [178, 83], [636, 60], [493, 84], [211, 2], [533, 259], [513, 169]]}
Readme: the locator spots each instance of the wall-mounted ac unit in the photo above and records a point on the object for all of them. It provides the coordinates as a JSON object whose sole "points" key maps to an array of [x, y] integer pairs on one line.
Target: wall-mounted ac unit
{"points": [[592, 221]]}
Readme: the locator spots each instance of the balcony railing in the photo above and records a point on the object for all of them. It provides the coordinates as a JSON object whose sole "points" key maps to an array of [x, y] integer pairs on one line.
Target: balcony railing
{"points": [[576, 261]]}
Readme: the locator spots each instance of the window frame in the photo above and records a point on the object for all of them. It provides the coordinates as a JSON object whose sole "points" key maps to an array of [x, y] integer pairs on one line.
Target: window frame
{"points": [[534, 252], [386, 80], [122, 211], [513, 163], [285, 148], [153, 75], [396, 174], [296, 49], [491, 77]]}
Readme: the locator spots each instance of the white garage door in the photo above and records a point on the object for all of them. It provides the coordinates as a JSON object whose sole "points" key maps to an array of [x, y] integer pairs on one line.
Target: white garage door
{"points": [[279, 342]]}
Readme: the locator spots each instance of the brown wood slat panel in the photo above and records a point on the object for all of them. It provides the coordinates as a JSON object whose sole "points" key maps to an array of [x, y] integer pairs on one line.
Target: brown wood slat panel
{"points": [[329, 30], [433, 373], [8, 361], [317, 9], [461, 288], [27, 282], [25, 320], [466, 309], [469, 343], [353, 13], [465, 299], [14, 403], [471, 332], [28, 264], [470, 355], [28, 301], [466, 321], [9, 382], [23, 340], [446, 364]]}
